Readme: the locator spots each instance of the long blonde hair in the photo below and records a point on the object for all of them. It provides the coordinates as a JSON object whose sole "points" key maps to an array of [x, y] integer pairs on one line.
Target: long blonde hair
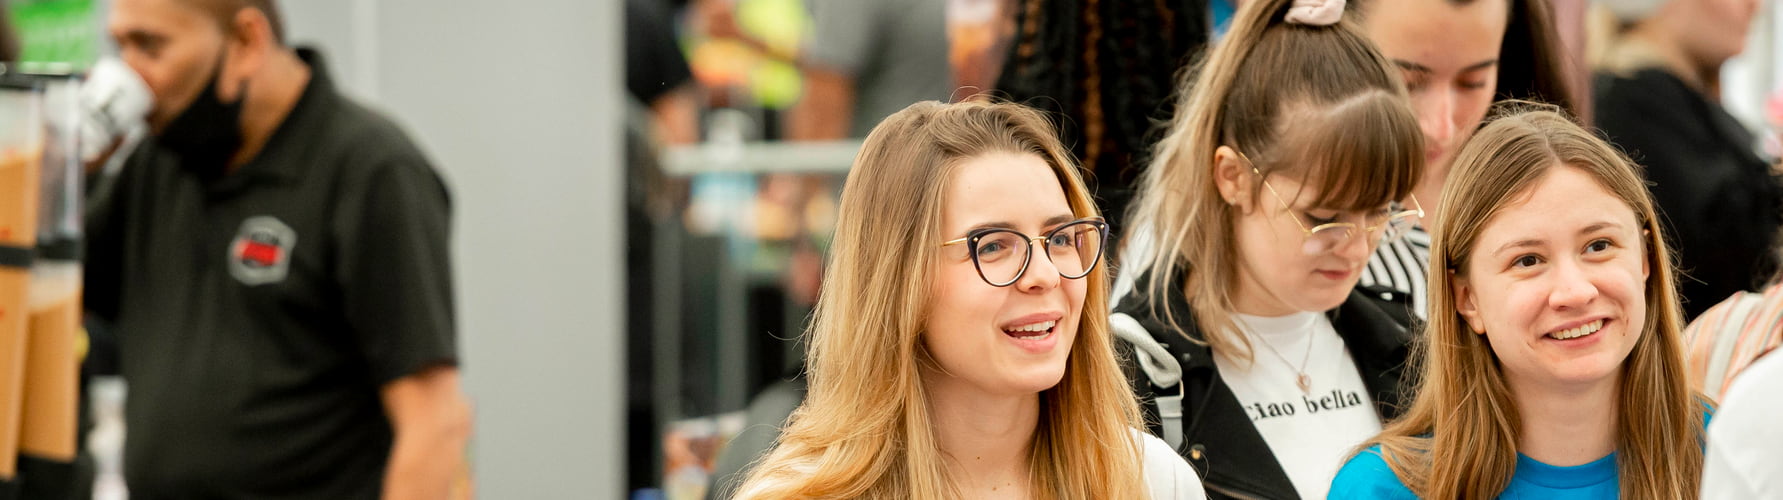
{"points": [[1317, 102], [864, 430], [1459, 438]]}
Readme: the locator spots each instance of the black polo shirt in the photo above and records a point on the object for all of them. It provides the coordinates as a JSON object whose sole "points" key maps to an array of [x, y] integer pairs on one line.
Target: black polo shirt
{"points": [[259, 314]]}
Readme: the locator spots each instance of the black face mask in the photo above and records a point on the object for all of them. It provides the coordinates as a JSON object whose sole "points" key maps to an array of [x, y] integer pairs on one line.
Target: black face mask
{"points": [[207, 134]]}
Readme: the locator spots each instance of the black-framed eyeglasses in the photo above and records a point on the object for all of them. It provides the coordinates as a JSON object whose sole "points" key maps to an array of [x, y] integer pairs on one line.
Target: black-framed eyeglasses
{"points": [[1002, 255], [1395, 223]]}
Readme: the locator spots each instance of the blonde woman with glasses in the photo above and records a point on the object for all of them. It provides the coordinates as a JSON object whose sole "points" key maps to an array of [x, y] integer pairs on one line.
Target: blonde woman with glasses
{"points": [[961, 345], [1258, 357]]}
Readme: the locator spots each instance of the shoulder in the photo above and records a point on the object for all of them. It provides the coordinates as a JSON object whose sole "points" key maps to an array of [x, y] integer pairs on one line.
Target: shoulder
{"points": [[1367, 475], [1748, 405], [367, 140], [1167, 476]]}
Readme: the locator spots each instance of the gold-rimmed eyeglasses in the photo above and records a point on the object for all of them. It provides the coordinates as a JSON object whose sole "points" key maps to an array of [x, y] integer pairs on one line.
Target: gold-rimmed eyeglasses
{"points": [[1394, 222]]}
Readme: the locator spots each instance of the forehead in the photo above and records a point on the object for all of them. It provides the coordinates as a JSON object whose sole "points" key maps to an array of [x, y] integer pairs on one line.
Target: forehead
{"points": [[1561, 202], [1010, 187], [1434, 31], [161, 17]]}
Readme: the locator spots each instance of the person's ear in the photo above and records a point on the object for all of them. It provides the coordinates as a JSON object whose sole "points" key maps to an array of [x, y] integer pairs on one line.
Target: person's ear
{"points": [[1466, 302], [1647, 260], [249, 42], [1234, 176]]}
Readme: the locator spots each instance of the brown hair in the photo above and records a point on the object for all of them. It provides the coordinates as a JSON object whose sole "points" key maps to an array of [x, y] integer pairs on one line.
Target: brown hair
{"points": [[1532, 61], [1459, 438], [864, 430], [1315, 102], [9, 45], [223, 12]]}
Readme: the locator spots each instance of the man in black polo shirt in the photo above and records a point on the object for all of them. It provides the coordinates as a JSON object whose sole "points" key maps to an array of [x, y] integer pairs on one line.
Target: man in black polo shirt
{"points": [[275, 261]]}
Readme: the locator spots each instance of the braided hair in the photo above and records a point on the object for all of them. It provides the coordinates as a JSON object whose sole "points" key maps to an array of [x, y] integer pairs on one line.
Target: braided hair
{"points": [[9, 46], [1105, 70]]}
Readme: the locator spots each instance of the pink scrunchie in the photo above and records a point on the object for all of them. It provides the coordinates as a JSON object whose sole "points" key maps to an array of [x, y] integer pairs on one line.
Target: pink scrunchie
{"points": [[1315, 12]]}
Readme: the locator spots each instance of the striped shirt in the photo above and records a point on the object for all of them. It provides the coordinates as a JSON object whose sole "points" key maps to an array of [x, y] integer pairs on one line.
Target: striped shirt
{"points": [[1729, 336], [1404, 266]]}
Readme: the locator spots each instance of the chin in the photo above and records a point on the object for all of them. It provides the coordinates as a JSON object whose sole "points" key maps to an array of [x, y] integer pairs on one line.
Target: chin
{"points": [[1039, 380], [1326, 301], [1588, 370]]}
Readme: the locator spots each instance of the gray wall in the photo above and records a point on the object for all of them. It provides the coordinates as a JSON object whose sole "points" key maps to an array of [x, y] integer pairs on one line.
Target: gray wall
{"points": [[517, 103]]}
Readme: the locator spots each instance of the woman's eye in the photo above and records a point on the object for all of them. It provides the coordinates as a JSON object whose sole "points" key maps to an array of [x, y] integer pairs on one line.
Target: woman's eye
{"points": [[1413, 82], [1316, 220], [991, 248], [1062, 239], [1476, 85], [1598, 246], [1526, 261]]}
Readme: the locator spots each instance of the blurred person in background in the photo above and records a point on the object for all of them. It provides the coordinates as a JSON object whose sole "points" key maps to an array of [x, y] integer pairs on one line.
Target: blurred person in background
{"points": [[275, 261], [656, 73], [1745, 444], [1657, 97], [1727, 338], [1106, 71], [9, 43], [1457, 57], [866, 59]]}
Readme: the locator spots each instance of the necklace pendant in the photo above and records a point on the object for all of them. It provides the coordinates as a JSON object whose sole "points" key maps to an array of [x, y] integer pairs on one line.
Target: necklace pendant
{"points": [[1305, 383]]}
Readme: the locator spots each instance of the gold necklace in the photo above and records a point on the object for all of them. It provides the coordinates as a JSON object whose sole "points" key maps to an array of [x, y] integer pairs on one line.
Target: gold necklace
{"points": [[1303, 380]]}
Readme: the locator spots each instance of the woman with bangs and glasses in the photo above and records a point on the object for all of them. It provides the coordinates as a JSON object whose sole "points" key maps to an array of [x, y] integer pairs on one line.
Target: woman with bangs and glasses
{"points": [[1553, 365], [960, 347], [1257, 357]]}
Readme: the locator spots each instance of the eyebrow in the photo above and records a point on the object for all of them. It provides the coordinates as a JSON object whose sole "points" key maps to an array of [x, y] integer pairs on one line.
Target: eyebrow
{"points": [[139, 35], [1588, 229], [1054, 221], [1419, 68]]}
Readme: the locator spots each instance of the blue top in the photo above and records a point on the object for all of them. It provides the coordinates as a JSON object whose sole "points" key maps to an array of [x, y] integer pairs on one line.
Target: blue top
{"points": [[1367, 476]]}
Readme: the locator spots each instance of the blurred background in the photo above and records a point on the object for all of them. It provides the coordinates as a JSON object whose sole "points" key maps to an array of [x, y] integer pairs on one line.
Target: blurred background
{"points": [[645, 189]]}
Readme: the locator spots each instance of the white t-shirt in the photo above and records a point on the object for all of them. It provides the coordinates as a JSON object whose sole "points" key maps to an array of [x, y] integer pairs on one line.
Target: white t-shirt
{"points": [[1167, 476], [1311, 433], [1745, 442]]}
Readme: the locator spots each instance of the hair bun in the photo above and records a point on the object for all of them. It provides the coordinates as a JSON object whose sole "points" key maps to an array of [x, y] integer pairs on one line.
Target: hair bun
{"points": [[1315, 12]]}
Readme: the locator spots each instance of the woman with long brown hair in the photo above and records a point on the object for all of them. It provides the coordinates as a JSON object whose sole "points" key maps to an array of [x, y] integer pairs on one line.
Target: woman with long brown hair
{"points": [[1552, 366], [961, 347]]}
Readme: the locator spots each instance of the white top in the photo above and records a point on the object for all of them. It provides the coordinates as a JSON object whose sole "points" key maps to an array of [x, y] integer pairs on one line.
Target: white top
{"points": [[1403, 265], [1166, 474], [1745, 450], [1311, 433]]}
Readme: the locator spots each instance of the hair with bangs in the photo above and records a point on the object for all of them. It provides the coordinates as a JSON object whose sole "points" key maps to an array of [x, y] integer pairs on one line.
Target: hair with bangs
{"points": [[1317, 103], [1459, 437], [864, 429]]}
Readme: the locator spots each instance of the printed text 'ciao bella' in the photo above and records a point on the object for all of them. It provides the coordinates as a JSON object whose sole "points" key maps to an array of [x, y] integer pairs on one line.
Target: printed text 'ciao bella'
{"points": [[1337, 400]]}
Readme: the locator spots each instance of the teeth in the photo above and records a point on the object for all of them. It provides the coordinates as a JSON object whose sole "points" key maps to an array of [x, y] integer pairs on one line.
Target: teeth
{"points": [[1583, 330], [1036, 327]]}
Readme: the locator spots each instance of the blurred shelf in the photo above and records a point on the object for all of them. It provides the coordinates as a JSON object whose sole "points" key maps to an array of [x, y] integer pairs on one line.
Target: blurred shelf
{"points": [[761, 157]]}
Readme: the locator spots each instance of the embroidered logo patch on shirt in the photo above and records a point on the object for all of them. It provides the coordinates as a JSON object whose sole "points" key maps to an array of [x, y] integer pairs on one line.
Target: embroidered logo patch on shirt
{"points": [[261, 252]]}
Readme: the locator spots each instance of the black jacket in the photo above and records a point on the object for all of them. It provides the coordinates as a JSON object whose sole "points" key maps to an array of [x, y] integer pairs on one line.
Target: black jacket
{"points": [[1219, 439], [1721, 203]]}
